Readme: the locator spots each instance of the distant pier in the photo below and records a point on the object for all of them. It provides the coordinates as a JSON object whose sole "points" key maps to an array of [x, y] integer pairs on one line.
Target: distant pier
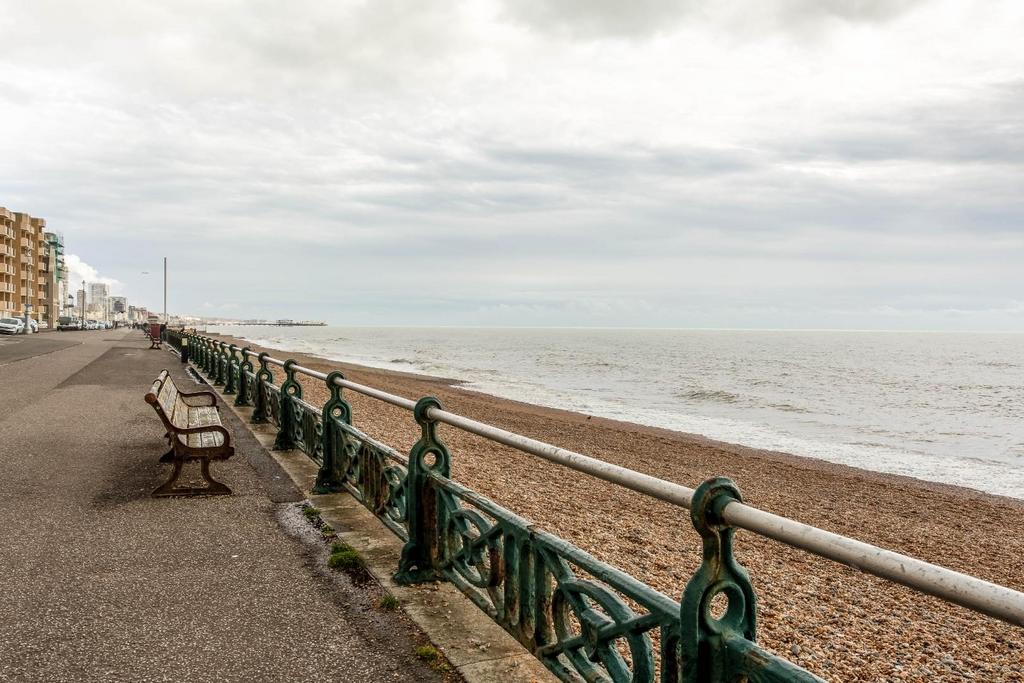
{"points": [[284, 323]]}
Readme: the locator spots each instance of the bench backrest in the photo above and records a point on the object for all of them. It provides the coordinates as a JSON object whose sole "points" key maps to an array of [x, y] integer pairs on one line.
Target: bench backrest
{"points": [[163, 396]]}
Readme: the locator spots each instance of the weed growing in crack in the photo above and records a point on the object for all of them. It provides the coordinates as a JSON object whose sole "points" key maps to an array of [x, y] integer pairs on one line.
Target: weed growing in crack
{"points": [[432, 656], [344, 556], [388, 602]]}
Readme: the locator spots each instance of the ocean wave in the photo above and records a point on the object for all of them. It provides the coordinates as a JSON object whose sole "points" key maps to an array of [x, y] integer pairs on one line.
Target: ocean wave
{"points": [[788, 408], [711, 396], [402, 361], [997, 364]]}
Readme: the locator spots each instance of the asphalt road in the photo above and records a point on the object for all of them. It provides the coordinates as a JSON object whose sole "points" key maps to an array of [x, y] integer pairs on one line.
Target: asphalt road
{"points": [[19, 347], [101, 582]]}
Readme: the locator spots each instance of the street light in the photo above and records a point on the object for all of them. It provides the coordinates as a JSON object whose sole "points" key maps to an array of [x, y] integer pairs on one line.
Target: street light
{"points": [[146, 272]]}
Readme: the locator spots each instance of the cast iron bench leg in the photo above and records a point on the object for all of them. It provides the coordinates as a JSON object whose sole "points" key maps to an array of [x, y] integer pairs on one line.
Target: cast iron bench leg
{"points": [[215, 488], [168, 488]]}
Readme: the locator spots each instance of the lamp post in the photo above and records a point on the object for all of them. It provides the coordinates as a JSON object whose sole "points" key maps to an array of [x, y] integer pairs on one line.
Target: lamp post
{"points": [[83, 304]]}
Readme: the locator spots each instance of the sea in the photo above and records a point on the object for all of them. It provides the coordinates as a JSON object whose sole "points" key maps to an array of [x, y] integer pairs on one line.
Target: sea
{"points": [[940, 406]]}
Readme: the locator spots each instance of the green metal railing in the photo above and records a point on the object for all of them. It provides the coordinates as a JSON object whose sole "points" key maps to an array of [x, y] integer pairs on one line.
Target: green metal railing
{"points": [[584, 619]]}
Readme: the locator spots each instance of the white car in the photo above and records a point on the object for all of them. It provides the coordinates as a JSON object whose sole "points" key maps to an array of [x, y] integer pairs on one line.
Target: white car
{"points": [[11, 325]]}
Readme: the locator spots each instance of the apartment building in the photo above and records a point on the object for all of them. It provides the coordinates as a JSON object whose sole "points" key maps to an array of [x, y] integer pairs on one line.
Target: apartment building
{"points": [[56, 275], [31, 278], [31, 267], [9, 263], [99, 295]]}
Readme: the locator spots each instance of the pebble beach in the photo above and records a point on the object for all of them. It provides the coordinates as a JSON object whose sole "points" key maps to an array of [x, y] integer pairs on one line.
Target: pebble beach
{"points": [[832, 620]]}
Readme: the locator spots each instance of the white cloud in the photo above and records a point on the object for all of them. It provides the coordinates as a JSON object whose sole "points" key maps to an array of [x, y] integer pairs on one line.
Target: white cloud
{"points": [[344, 159], [79, 270]]}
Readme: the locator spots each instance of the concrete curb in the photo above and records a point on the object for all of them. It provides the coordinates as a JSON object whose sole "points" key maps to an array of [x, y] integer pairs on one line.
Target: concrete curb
{"points": [[479, 649]]}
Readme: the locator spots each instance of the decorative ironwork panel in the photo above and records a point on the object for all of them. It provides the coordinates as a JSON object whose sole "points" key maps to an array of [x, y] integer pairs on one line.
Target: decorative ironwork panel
{"points": [[273, 395], [374, 473], [248, 393], [583, 619], [307, 429]]}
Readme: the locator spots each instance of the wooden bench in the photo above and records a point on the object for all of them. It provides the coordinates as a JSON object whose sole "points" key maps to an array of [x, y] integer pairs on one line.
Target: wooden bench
{"points": [[194, 431]]}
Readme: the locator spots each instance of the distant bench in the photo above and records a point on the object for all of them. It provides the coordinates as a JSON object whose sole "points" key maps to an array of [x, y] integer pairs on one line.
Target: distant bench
{"points": [[194, 431]]}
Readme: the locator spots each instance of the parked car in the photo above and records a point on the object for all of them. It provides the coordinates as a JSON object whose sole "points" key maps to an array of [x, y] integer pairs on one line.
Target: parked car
{"points": [[92, 325], [43, 325], [67, 322], [11, 325]]}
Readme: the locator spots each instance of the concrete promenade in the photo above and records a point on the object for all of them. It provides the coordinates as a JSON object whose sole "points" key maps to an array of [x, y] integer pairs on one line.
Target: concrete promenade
{"points": [[99, 581]]}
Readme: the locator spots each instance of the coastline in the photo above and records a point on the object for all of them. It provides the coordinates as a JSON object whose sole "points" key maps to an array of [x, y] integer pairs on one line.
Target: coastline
{"points": [[843, 624]]}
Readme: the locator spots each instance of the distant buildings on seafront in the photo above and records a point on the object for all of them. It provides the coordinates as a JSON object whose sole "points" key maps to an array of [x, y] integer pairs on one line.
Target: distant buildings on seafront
{"points": [[34, 277]]}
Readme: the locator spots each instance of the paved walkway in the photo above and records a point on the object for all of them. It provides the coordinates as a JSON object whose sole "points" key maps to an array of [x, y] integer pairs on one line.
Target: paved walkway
{"points": [[99, 581]]}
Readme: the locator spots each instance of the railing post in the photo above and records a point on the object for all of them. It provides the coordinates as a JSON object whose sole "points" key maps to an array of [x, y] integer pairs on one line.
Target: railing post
{"points": [[201, 360], [212, 371], [211, 362], [263, 378], [230, 387], [218, 363], [290, 389], [330, 478], [429, 454], [204, 365], [706, 636], [222, 365], [243, 399]]}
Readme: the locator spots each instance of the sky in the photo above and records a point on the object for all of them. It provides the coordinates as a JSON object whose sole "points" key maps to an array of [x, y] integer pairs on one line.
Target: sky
{"points": [[781, 164]]}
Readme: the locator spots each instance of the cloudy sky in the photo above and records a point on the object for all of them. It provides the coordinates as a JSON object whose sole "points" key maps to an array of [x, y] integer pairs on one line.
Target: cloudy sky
{"points": [[796, 163]]}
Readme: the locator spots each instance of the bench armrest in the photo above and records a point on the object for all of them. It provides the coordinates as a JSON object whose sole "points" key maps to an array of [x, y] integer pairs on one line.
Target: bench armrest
{"points": [[208, 428], [212, 397]]}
